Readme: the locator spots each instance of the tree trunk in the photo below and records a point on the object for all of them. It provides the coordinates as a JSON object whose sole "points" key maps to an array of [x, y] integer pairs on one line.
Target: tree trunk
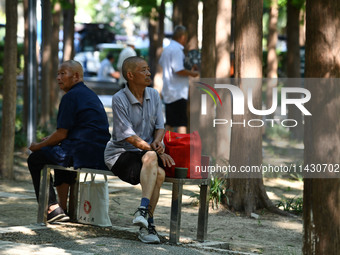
{"points": [[223, 50], [177, 13], [272, 61], [293, 65], [156, 36], [208, 66], [9, 91], [46, 62], [209, 39], [321, 202], [190, 21], [293, 47], [246, 142], [69, 31], [223, 41], [25, 88], [54, 89]]}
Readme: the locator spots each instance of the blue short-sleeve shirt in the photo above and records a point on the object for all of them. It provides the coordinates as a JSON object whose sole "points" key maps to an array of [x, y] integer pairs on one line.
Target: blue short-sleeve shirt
{"points": [[83, 115]]}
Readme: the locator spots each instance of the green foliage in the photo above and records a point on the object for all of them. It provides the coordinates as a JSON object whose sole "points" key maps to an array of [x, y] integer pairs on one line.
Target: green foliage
{"points": [[216, 195], [20, 136], [294, 205], [20, 55], [145, 7], [277, 131], [41, 133]]}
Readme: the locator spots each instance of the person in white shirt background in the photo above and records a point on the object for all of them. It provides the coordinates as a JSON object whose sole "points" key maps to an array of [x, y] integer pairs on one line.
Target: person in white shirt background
{"points": [[176, 81], [106, 70]]}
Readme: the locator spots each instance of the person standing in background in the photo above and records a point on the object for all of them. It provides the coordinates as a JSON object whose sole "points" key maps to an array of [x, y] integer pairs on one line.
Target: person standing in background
{"points": [[176, 81], [106, 70]]}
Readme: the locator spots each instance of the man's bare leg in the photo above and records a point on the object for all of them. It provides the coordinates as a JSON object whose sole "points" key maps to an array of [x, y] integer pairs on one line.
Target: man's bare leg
{"points": [[148, 178], [63, 195], [156, 190], [148, 174], [182, 130]]}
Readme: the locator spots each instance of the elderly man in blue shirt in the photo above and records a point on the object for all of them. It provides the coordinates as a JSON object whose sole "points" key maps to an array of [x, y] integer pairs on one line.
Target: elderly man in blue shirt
{"points": [[79, 140], [135, 152]]}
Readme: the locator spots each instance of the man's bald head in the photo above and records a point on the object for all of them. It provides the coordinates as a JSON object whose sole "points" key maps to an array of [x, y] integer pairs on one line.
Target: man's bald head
{"points": [[130, 64], [74, 67]]}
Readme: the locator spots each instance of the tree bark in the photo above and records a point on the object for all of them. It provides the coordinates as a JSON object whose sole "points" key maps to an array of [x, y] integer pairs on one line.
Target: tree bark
{"points": [[246, 143], [190, 21], [9, 91], [272, 61], [69, 31], [293, 64], [223, 40], [46, 62], [208, 67], [25, 88], [209, 39], [293, 47], [156, 36], [54, 89], [223, 51], [321, 202], [177, 13]]}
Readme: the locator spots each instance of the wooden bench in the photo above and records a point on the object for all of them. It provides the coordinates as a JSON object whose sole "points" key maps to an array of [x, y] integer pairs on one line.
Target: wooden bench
{"points": [[176, 203]]}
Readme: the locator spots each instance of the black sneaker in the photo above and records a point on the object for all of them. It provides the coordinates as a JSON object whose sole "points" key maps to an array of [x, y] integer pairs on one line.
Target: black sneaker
{"points": [[56, 215]]}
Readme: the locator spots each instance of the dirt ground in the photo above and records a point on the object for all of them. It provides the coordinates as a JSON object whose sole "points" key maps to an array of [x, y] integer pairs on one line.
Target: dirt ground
{"points": [[270, 234]]}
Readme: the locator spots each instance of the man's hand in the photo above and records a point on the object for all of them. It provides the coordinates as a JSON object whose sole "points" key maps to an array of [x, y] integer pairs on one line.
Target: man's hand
{"points": [[34, 147], [157, 147], [52, 140], [167, 160]]}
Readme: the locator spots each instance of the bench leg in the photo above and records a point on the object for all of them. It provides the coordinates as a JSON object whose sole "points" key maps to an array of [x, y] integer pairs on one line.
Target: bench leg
{"points": [[176, 208], [43, 195], [73, 199], [202, 224]]}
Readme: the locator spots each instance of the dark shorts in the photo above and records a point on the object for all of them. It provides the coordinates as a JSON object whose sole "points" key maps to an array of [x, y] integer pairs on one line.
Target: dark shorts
{"points": [[176, 113], [129, 165]]}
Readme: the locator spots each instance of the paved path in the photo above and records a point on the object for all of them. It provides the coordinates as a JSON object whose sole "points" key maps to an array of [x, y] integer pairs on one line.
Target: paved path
{"points": [[100, 245]]}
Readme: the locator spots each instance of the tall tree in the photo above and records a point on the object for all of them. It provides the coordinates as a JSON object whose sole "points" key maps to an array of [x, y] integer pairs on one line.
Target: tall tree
{"points": [[68, 29], [208, 65], [46, 62], [9, 91], [209, 39], [25, 88], [190, 21], [156, 36], [272, 60], [246, 142], [321, 201], [223, 52], [177, 12], [293, 61], [54, 89]]}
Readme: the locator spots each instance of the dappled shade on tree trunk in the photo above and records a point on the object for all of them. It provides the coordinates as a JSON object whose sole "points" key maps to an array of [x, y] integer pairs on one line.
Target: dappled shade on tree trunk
{"points": [[9, 92], [321, 201]]}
